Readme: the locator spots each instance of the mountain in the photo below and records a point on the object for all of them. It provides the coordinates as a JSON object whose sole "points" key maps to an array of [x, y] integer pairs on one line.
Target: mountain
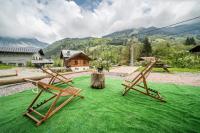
{"points": [[21, 42], [120, 38], [74, 44], [193, 29], [180, 30], [121, 34]]}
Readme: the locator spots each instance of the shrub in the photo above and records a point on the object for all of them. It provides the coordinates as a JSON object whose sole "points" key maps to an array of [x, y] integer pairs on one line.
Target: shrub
{"points": [[185, 59], [57, 62], [29, 64], [176, 55]]}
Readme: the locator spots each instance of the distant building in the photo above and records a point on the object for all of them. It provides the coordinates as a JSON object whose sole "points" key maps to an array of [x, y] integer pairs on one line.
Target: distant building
{"points": [[76, 60], [195, 50], [19, 56]]}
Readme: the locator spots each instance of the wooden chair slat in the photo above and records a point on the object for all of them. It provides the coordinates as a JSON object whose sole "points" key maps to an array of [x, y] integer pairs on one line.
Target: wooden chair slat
{"points": [[56, 75]]}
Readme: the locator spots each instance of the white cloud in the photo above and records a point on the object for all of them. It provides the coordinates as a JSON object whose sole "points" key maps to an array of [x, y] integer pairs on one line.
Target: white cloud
{"points": [[50, 20]]}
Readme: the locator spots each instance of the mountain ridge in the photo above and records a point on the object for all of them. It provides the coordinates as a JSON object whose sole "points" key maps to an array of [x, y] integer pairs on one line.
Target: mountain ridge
{"points": [[193, 28], [21, 42]]}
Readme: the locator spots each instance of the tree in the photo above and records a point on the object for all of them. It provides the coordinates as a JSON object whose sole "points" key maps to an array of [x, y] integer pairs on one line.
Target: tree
{"points": [[162, 50], [190, 41], [125, 55], [147, 50]]}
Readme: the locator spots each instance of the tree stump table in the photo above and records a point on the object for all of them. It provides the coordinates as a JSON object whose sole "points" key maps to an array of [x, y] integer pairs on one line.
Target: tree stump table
{"points": [[97, 80]]}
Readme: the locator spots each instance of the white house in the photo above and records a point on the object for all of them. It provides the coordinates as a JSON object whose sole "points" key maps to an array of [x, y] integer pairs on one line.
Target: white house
{"points": [[19, 56]]}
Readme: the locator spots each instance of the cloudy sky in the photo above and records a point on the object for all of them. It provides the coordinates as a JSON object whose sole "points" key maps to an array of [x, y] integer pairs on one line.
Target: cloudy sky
{"points": [[51, 20]]}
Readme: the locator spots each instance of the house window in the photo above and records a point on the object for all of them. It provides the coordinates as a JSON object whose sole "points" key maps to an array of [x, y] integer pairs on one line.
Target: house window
{"points": [[76, 62], [84, 62], [68, 53]]}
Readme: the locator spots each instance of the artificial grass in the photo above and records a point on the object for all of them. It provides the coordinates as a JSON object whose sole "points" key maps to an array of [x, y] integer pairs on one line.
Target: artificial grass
{"points": [[107, 110]]}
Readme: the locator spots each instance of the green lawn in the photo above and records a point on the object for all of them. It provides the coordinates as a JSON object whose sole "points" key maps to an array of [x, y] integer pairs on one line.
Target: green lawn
{"points": [[3, 66], [108, 111]]}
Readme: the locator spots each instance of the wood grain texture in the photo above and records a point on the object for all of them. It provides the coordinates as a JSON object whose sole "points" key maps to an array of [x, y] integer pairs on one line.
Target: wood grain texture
{"points": [[98, 80]]}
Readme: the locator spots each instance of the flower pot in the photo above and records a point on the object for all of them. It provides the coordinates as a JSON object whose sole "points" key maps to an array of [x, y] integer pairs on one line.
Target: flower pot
{"points": [[100, 69]]}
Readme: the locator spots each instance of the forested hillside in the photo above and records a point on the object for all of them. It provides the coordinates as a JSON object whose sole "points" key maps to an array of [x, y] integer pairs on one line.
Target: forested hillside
{"points": [[74, 44], [115, 48]]}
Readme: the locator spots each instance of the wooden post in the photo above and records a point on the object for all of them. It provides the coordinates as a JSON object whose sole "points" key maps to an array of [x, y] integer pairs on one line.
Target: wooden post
{"points": [[97, 80]]}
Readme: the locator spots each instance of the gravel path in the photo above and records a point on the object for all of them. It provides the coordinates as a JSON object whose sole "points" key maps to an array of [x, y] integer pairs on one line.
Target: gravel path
{"points": [[123, 70], [177, 78], [14, 88]]}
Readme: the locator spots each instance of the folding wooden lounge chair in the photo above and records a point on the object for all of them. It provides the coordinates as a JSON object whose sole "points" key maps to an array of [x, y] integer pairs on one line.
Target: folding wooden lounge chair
{"points": [[56, 75], [135, 84], [70, 93]]}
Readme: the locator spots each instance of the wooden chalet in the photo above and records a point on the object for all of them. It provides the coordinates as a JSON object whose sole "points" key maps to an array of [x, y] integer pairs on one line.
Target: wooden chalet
{"points": [[75, 60], [195, 50]]}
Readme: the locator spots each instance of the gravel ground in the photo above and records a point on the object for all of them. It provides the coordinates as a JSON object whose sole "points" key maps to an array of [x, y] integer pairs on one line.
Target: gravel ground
{"points": [[176, 78], [14, 88], [124, 70]]}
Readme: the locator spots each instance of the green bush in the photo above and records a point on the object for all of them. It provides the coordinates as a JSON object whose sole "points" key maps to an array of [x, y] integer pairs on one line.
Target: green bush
{"points": [[176, 55], [185, 59], [29, 64], [57, 62]]}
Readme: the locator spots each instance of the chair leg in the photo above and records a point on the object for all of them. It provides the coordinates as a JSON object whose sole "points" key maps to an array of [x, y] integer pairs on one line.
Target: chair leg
{"points": [[39, 123], [145, 84], [81, 96], [125, 91]]}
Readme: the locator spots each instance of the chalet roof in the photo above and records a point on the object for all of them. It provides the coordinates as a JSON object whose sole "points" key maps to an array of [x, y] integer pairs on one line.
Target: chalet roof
{"points": [[21, 50], [69, 53], [72, 53], [195, 49]]}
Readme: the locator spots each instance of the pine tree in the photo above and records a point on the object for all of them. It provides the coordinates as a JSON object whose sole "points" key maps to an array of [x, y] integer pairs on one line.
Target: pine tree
{"points": [[190, 41], [147, 50]]}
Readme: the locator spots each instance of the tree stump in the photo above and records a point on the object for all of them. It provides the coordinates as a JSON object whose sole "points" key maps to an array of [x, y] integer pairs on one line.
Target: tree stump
{"points": [[97, 80]]}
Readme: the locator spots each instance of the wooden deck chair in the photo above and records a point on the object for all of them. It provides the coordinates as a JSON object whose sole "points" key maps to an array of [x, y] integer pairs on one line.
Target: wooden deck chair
{"points": [[70, 93], [142, 78], [56, 75]]}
